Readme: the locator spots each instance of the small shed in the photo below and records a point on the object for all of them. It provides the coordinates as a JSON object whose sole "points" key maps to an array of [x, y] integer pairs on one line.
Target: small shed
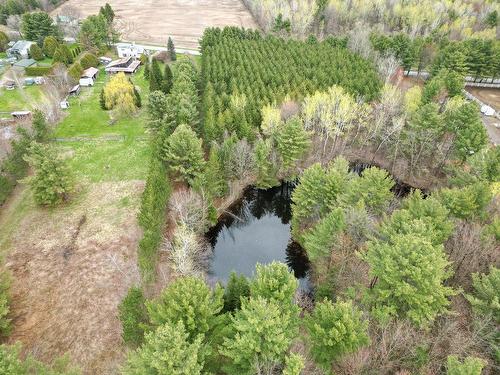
{"points": [[21, 114], [39, 80], [75, 90], [487, 110], [29, 81], [9, 84], [64, 104], [105, 60], [89, 76]]}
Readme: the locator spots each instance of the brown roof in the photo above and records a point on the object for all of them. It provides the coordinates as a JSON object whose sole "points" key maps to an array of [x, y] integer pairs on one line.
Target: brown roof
{"points": [[90, 72], [132, 67]]}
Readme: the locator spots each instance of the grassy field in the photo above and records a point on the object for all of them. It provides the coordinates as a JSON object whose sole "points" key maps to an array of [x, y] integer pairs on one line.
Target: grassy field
{"points": [[101, 149], [20, 99]]}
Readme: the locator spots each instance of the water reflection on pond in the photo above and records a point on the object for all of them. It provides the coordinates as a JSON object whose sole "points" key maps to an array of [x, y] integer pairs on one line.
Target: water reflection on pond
{"points": [[257, 230]]}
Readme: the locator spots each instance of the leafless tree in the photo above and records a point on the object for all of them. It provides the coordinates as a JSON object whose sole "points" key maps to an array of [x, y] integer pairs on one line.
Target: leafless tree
{"points": [[14, 23], [189, 209], [187, 251]]}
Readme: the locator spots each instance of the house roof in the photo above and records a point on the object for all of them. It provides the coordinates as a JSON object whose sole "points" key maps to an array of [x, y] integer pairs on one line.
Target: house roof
{"points": [[90, 72], [22, 45], [24, 63], [121, 61], [74, 89], [130, 68]]}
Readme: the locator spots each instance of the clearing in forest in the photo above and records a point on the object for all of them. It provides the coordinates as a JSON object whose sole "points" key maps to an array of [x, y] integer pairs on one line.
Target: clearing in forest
{"points": [[154, 21]]}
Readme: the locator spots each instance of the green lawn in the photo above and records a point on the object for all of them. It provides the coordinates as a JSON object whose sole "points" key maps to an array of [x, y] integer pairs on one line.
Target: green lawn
{"points": [[101, 150], [20, 99]]}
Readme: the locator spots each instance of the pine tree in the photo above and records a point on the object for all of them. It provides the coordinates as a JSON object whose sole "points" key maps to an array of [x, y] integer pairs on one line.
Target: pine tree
{"points": [[265, 170], [157, 108], [36, 52], [486, 299], [155, 77], [171, 49], [51, 182], [319, 241], [409, 271], [183, 153], [335, 329], [237, 288], [146, 71], [467, 202], [168, 350], [39, 126], [214, 174], [262, 335], [292, 141], [190, 301], [167, 80], [102, 100], [294, 364], [137, 98]]}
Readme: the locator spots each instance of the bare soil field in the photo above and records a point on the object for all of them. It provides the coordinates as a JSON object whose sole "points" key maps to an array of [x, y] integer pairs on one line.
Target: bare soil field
{"points": [[71, 267], [153, 21]]}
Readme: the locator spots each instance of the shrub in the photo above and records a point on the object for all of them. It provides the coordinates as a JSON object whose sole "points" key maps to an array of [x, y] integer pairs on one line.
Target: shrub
{"points": [[75, 71], [50, 45], [36, 52], [486, 297], [4, 304], [89, 60], [4, 41], [35, 71], [133, 316], [470, 366]]}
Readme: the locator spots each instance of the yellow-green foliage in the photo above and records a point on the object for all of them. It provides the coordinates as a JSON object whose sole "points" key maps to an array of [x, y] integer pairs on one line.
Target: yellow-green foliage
{"points": [[119, 94]]}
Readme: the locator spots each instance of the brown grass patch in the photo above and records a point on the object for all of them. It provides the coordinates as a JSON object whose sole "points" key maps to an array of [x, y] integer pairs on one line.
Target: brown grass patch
{"points": [[71, 267]]}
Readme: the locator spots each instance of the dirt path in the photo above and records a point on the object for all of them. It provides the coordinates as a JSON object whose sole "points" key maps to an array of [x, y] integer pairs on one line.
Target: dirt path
{"points": [[153, 21], [71, 267]]}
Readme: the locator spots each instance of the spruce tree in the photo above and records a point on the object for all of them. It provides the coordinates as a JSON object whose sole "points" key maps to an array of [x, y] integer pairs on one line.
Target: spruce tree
{"points": [[157, 108], [50, 45], [51, 182], [171, 49], [102, 100], [265, 170], [214, 174], [236, 290], [167, 80], [155, 76], [146, 71]]}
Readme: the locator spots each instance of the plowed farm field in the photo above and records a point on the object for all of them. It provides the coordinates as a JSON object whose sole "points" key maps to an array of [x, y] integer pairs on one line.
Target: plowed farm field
{"points": [[153, 21]]}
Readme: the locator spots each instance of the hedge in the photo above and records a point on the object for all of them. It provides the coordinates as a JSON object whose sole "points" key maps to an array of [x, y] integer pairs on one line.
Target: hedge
{"points": [[38, 70]]}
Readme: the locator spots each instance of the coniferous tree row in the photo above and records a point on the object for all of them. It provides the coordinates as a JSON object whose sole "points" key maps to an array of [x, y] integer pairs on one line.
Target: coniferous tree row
{"points": [[242, 71]]}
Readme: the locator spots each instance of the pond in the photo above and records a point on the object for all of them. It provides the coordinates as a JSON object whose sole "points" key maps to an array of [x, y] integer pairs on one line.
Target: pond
{"points": [[257, 230]]}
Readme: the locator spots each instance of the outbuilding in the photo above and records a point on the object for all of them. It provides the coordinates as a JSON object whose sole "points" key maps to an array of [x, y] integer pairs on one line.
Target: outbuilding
{"points": [[20, 49], [75, 90], [89, 76]]}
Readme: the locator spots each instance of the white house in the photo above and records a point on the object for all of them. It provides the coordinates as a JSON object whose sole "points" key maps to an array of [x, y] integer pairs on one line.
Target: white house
{"points": [[129, 50], [20, 49], [89, 76]]}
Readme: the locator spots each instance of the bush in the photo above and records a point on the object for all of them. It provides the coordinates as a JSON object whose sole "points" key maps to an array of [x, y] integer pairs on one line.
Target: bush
{"points": [[36, 52], [4, 304], [4, 41], [50, 45], [486, 298], [89, 60], [75, 71], [470, 366], [133, 316], [36, 71]]}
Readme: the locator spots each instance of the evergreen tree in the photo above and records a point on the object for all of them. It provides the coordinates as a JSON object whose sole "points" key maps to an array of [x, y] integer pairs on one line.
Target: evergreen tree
{"points": [[171, 49], [274, 281], [319, 240], [190, 301], [36, 52], [37, 26], [373, 188], [89, 60], [155, 77], [486, 299], [335, 329], [146, 71], [5, 326], [214, 174], [137, 98], [292, 141], [167, 351], [39, 126], [470, 366], [133, 316], [157, 108], [107, 12], [75, 71], [4, 41], [167, 80], [51, 182], [237, 288], [409, 272], [262, 335], [102, 100], [183, 153], [265, 169], [50, 45], [467, 202]]}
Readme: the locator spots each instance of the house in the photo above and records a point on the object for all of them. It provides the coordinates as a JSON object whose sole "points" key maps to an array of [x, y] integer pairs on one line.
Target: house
{"points": [[89, 76], [125, 65], [129, 50], [23, 64], [74, 91], [20, 49]]}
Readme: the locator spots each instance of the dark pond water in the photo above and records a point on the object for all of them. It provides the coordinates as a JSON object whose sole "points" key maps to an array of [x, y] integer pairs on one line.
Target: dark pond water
{"points": [[257, 230]]}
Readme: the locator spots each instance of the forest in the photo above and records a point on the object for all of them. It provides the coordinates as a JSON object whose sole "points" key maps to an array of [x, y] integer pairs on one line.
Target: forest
{"points": [[393, 190]]}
